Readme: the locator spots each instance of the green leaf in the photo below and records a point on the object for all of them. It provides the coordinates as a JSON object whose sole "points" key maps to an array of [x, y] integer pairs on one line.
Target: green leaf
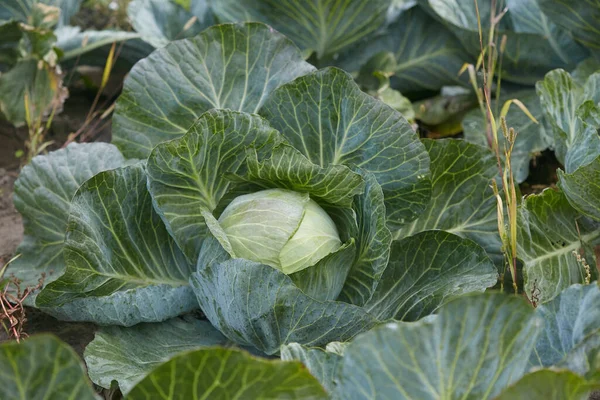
{"points": [[330, 120], [425, 271], [581, 188], [571, 336], [549, 231], [254, 304], [43, 195], [118, 253], [10, 34], [580, 19], [187, 175], [159, 22], [534, 44], [322, 26], [576, 142], [287, 168], [475, 347], [29, 11], [549, 384], [427, 58], [36, 80], [322, 364], [218, 373], [73, 42], [231, 66], [532, 138], [127, 355], [373, 249], [42, 367], [462, 201]]}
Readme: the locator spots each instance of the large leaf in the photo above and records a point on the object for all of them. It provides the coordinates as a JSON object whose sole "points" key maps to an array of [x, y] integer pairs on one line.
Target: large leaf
{"points": [[534, 45], [257, 305], [571, 336], [462, 201], [73, 42], [122, 265], [475, 347], [159, 22], [549, 231], [33, 83], [330, 120], [580, 19], [231, 66], [532, 137], [218, 373], [549, 384], [426, 55], [425, 271], [11, 34], [323, 26], [43, 195], [127, 355], [187, 175], [42, 367], [564, 102], [322, 364], [581, 188], [26, 10]]}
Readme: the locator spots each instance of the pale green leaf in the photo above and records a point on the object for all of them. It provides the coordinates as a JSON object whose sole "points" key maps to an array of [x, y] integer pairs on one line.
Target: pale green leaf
{"points": [[549, 384]]}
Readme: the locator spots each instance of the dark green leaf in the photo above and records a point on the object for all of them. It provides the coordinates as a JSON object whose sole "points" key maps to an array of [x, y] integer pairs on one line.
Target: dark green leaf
{"points": [[549, 384], [227, 66], [127, 355], [580, 19], [122, 265], [325, 27], [42, 367], [218, 373], [474, 348], [331, 121], [425, 271]]}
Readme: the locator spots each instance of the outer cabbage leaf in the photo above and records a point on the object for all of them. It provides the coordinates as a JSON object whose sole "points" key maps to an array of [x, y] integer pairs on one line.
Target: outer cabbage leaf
{"points": [[322, 363], [187, 175], [534, 44], [231, 66], [472, 350], [564, 102], [462, 201], [330, 120], [42, 367], [426, 55], [43, 195], [254, 304], [73, 42], [28, 10], [226, 374], [127, 355], [159, 22], [425, 271], [550, 384], [582, 189], [549, 231], [118, 253], [580, 19], [325, 27], [571, 335]]}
